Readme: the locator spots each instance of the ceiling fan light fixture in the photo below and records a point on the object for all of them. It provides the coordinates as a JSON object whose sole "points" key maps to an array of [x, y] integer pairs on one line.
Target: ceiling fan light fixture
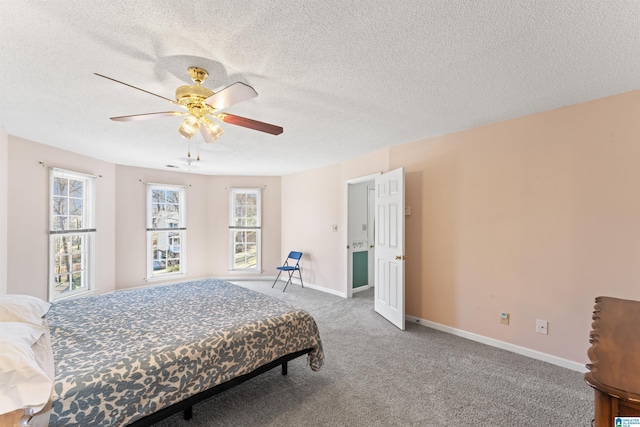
{"points": [[213, 130], [189, 127]]}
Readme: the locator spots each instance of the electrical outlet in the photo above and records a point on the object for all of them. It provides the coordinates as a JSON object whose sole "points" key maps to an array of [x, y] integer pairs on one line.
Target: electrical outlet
{"points": [[541, 327], [504, 318]]}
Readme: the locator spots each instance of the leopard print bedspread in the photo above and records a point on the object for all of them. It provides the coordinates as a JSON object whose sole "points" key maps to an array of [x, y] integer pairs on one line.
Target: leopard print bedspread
{"points": [[125, 355]]}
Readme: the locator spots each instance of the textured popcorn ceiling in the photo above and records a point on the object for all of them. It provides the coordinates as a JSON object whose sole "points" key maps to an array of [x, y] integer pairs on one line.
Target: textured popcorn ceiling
{"points": [[344, 78]]}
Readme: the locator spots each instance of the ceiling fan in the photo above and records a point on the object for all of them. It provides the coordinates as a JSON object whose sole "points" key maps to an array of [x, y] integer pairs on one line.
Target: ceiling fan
{"points": [[201, 105]]}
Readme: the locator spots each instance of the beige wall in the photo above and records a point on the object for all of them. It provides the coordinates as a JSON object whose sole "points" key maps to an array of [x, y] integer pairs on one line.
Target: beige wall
{"points": [[121, 225], [310, 207], [314, 201], [218, 220], [130, 222], [207, 223], [535, 216], [4, 187], [27, 201]]}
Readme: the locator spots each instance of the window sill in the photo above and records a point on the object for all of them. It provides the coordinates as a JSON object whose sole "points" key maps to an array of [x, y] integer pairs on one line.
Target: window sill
{"points": [[247, 271], [74, 295], [165, 277]]}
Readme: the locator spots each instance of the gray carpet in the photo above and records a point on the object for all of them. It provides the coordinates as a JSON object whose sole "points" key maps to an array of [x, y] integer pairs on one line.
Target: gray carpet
{"points": [[377, 375]]}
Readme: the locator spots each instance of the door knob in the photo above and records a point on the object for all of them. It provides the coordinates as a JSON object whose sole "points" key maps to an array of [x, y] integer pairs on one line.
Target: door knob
{"points": [[401, 257]]}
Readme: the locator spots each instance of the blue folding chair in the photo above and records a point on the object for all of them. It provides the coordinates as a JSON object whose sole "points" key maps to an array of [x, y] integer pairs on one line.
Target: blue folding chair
{"points": [[290, 268]]}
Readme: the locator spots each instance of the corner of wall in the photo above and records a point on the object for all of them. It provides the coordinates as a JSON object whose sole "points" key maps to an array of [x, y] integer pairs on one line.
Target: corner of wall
{"points": [[4, 188]]}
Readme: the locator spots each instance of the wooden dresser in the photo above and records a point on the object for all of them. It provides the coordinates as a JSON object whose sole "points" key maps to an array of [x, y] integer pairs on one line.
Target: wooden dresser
{"points": [[614, 371]]}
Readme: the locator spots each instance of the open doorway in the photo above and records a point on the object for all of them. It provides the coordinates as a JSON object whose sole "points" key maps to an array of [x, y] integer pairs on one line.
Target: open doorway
{"points": [[382, 242], [360, 227]]}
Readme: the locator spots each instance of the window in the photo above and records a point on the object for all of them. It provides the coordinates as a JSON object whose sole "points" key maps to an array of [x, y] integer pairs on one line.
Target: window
{"points": [[71, 233], [166, 230], [244, 229]]}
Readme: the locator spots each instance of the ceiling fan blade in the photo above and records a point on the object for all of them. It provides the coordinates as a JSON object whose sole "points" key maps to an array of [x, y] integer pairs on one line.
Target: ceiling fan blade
{"points": [[250, 123], [148, 116], [145, 91], [231, 95]]}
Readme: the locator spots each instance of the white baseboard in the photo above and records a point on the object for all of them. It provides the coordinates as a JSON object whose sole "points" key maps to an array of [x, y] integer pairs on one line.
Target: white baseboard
{"points": [[328, 291], [318, 288], [294, 281], [240, 278], [534, 354]]}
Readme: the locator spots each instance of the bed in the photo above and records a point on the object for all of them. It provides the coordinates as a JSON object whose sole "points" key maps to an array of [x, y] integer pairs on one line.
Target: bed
{"points": [[134, 357]]}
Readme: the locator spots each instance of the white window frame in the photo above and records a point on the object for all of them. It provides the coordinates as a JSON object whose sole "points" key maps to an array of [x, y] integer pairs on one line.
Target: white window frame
{"points": [[86, 232], [233, 228], [180, 229]]}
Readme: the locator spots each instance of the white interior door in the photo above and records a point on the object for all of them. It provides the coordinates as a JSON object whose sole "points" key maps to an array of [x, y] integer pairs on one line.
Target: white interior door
{"points": [[389, 246]]}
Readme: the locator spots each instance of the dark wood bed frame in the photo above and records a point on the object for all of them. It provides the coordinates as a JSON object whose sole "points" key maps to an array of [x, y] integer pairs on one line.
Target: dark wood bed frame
{"points": [[187, 404]]}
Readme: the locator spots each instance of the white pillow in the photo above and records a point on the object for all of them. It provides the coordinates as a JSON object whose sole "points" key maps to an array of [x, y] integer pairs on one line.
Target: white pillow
{"points": [[20, 332], [23, 383], [22, 308]]}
